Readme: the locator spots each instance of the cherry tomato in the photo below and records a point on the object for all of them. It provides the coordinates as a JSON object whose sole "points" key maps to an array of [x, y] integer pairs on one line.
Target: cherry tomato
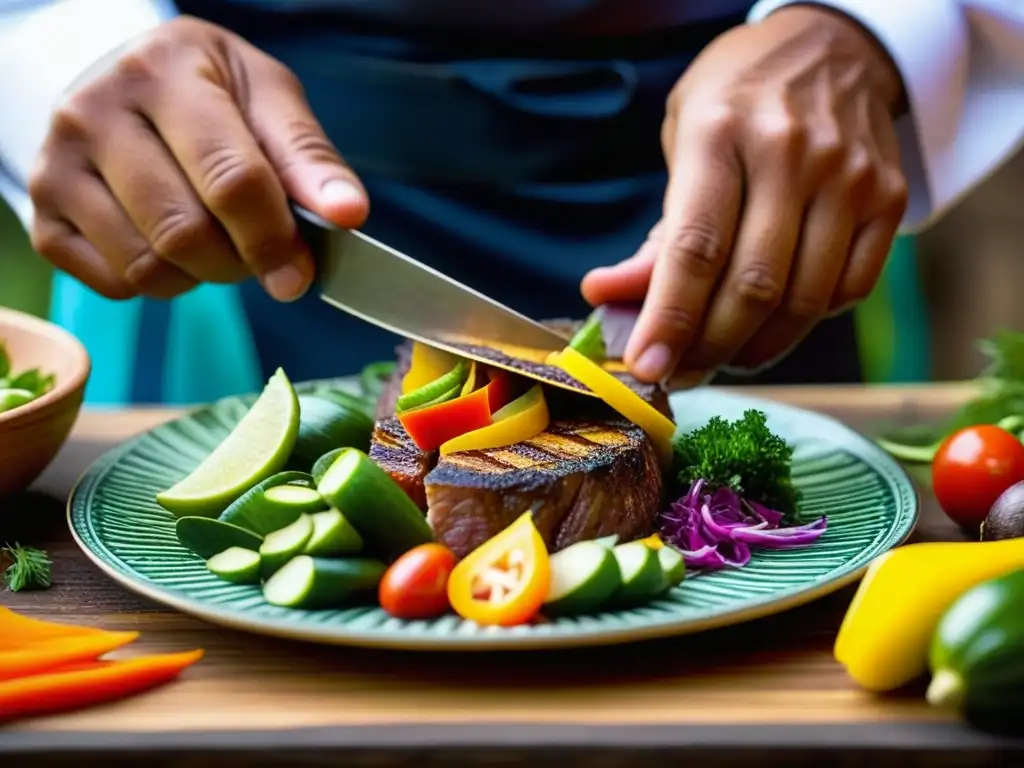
{"points": [[972, 468], [416, 584]]}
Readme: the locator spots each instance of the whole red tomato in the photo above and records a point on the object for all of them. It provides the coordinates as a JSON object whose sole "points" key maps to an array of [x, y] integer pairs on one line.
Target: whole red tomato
{"points": [[971, 468], [416, 584]]}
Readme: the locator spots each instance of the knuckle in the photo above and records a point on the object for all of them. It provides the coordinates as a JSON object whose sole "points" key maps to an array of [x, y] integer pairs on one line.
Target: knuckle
{"points": [[807, 307], [827, 153], [698, 249], [180, 232], [781, 134], [308, 142], [232, 180], [141, 66], [267, 251], [72, 120], [895, 192], [758, 284], [677, 321], [860, 172], [719, 121], [45, 241], [42, 185]]}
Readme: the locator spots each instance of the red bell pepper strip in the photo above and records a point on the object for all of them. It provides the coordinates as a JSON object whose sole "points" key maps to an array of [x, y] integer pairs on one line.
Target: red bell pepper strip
{"points": [[431, 426]]}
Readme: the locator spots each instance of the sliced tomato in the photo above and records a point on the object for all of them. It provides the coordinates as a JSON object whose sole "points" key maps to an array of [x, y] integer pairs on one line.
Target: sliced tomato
{"points": [[505, 580], [415, 586]]}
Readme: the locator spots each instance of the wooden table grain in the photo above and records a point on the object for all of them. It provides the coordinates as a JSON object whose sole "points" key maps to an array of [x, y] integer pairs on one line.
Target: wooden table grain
{"points": [[768, 691]]}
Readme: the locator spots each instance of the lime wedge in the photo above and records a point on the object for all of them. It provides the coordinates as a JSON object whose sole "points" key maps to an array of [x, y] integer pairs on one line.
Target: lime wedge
{"points": [[258, 447]]}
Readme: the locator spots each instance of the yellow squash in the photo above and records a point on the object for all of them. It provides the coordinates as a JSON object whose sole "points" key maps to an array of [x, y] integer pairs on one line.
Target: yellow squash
{"points": [[884, 639]]}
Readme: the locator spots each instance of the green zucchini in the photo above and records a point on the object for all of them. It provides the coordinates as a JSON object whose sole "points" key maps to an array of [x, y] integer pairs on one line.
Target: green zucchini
{"points": [[237, 565], [325, 424], [642, 577], [322, 464], [251, 511], [374, 377], [296, 498], [333, 536], [673, 566], [584, 576], [207, 536], [976, 657], [312, 582], [383, 514], [281, 546]]}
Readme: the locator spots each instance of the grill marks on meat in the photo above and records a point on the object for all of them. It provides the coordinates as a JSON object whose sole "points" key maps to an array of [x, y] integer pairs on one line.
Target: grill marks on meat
{"points": [[580, 479], [392, 449], [590, 474]]}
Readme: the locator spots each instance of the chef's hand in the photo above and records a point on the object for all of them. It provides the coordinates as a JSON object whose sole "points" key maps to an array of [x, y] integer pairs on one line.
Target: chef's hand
{"points": [[785, 192], [174, 166]]}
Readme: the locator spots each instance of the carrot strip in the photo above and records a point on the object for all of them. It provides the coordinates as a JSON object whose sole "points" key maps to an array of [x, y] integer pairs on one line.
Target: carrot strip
{"points": [[17, 631], [47, 655], [48, 693]]}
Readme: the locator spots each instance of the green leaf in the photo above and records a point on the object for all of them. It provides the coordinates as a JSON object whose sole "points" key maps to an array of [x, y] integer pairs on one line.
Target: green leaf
{"points": [[32, 380], [30, 568]]}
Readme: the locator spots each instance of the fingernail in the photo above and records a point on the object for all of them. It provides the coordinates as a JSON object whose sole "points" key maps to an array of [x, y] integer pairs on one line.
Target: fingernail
{"points": [[286, 283], [652, 365], [341, 193]]}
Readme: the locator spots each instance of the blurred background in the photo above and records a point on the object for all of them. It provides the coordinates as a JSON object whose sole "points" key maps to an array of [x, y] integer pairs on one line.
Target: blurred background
{"points": [[943, 289]]}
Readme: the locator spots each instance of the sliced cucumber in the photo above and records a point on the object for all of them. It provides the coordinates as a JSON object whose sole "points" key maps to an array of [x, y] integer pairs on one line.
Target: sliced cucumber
{"points": [[608, 541], [207, 536], [281, 546], [321, 465], [313, 582], [333, 536], [237, 565], [251, 511], [383, 514], [642, 577], [325, 424], [583, 578], [300, 498], [672, 565]]}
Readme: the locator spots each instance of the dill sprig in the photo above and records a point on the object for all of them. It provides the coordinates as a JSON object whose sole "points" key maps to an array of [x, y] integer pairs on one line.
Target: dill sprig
{"points": [[30, 568]]}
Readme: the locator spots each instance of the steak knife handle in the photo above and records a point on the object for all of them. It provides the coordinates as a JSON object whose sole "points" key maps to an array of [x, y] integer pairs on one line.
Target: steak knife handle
{"points": [[314, 231]]}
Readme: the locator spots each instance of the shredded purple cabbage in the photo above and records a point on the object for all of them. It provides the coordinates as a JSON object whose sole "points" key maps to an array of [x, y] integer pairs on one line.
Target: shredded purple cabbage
{"points": [[716, 530]]}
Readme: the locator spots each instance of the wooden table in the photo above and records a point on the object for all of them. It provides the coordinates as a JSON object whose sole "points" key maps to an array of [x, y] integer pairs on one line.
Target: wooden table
{"points": [[766, 692]]}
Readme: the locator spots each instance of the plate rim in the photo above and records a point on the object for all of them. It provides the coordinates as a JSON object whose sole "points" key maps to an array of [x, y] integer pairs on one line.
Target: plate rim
{"points": [[391, 639]]}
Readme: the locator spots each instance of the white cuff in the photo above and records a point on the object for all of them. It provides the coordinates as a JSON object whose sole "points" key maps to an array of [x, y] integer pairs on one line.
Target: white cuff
{"points": [[962, 63], [43, 48]]}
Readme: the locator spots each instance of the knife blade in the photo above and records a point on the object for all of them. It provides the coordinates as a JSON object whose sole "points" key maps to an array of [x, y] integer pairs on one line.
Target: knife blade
{"points": [[382, 286]]}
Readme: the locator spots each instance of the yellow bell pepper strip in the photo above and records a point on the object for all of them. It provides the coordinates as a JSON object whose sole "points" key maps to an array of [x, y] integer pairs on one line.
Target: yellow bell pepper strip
{"points": [[885, 636], [83, 685], [426, 365], [45, 655], [17, 631], [525, 417], [505, 580], [446, 387], [659, 428], [433, 425], [470, 384]]}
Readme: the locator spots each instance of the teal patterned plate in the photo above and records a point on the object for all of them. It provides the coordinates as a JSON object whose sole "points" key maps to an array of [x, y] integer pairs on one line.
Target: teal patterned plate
{"points": [[871, 505]]}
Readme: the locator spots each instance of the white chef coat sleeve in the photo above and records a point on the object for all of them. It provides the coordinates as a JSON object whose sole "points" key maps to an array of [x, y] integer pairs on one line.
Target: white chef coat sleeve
{"points": [[44, 46], [962, 63]]}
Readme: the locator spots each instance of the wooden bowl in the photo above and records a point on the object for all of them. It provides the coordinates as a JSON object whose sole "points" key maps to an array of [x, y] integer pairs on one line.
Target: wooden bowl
{"points": [[31, 434]]}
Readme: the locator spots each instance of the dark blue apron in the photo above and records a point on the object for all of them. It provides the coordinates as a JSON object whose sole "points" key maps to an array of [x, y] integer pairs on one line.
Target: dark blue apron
{"points": [[514, 164]]}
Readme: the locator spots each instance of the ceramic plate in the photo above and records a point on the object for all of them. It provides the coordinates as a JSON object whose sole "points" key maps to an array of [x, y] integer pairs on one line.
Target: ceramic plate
{"points": [[871, 505]]}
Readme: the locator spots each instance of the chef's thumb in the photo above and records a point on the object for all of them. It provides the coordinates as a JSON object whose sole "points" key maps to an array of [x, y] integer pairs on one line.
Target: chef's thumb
{"points": [[311, 170]]}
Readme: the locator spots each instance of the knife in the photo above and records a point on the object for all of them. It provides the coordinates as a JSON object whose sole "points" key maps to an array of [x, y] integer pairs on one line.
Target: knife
{"points": [[393, 291]]}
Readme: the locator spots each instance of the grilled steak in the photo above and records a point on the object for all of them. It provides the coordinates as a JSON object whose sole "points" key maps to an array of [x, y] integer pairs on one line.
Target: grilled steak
{"points": [[392, 449], [581, 480], [590, 474]]}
